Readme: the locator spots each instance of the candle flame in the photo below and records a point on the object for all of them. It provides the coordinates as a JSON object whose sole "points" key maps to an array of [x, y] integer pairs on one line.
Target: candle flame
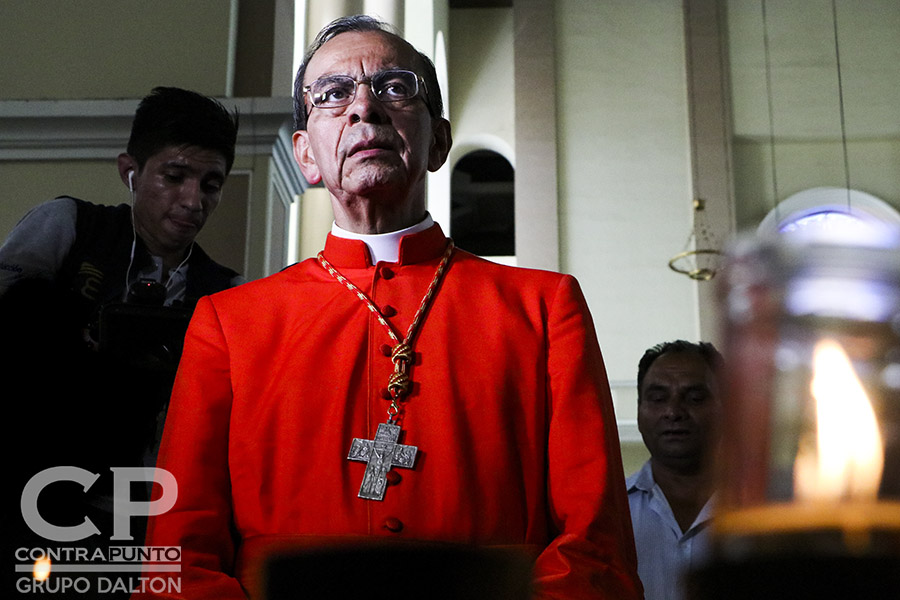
{"points": [[41, 569], [848, 457]]}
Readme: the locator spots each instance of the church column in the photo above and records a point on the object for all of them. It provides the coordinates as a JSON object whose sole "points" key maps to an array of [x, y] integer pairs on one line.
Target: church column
{"points": [[709, 102], [390, 11], [536, 189], [322, 12]]}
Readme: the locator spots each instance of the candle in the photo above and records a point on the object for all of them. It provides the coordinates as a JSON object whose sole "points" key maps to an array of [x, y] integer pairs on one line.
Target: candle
{"points": [[41, 569], [809, 490], [838, 466], [846, 458]]}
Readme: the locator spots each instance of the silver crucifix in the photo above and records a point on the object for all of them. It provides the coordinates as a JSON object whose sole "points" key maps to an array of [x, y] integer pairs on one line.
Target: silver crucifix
{"points": [[381, 454]]}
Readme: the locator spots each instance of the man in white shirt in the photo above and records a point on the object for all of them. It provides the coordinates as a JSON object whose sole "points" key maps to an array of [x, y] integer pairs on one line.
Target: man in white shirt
{"points": [[671, 496]]}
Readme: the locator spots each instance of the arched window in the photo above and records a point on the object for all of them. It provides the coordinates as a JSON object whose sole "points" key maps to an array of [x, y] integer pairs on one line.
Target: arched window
{"points": [[482, 204], [834, 214]]}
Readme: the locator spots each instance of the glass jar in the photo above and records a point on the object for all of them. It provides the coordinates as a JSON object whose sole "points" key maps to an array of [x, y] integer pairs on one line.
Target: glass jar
{"points": [[809, 494]]}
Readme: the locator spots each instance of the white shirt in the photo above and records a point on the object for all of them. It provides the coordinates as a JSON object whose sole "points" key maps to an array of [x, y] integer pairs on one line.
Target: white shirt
{"points": [[664, 552], [383, 247]]}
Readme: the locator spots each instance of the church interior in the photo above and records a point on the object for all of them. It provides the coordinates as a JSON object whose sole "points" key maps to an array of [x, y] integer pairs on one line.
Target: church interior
{"points": [[626, 142]]}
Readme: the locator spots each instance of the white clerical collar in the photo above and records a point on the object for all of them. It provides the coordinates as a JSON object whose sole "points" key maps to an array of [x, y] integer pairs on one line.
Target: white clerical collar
{"points": [[383, 247]]}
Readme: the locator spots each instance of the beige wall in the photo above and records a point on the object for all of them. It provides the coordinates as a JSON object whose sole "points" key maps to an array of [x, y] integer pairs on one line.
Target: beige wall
{"points": [[805, 99], [27, 183], [112, 48], [625, 175], [482, 91]]}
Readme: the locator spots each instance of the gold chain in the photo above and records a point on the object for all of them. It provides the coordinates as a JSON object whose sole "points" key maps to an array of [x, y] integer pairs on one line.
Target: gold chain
{"points": [[401, 353]]}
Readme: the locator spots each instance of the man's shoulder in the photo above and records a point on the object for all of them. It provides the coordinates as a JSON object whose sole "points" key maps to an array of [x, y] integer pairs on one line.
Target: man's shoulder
{"points": [[90, 207], [59, 209], [477, 267], [269, 286], [640, 480], [93, 219], [541, 290]]}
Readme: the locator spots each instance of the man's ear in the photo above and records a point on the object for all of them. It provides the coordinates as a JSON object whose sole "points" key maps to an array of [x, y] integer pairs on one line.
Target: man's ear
{"points": [[303, 154], [441, 142], [126, 165]]}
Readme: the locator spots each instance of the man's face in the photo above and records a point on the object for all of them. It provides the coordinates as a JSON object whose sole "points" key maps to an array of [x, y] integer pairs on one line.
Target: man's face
{"points": [[679, 412], [370, 146], [174, 194]]}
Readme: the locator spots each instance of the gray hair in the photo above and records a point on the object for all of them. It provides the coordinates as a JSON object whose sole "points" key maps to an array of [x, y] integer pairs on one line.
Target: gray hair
{"points": [[362, 23]]}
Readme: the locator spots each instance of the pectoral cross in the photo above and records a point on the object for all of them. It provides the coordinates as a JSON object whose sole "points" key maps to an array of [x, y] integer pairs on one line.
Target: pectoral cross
{"points": [[381, 454]]}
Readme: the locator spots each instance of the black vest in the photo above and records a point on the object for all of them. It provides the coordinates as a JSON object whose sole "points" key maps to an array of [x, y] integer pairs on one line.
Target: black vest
{"points": [[95, 269]]}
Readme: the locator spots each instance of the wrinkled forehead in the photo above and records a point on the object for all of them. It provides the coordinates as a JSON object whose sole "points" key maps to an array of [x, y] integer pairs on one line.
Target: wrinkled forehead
{"points": [[361, 54]]}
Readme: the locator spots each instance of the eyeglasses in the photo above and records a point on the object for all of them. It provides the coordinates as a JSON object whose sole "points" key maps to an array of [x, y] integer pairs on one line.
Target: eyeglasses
{"points": [[392, 85]]}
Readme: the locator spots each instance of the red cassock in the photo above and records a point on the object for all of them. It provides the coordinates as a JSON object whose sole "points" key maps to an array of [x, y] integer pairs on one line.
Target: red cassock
{"points": [[510, 410]]}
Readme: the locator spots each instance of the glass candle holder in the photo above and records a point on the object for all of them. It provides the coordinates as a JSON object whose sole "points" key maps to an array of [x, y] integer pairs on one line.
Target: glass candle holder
{"points": [[809, 495]]}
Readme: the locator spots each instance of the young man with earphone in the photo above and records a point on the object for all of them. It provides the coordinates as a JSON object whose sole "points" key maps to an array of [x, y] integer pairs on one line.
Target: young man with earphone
{"points": [[179, 154], [95, 299]]}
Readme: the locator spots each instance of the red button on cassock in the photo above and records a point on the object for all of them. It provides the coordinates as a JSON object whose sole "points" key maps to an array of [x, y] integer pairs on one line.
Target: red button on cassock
{"points": [[393, 524]]}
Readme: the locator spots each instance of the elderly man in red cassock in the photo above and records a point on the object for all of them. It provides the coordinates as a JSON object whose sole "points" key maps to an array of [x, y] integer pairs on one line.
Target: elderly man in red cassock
{"points": [[395, 388]]}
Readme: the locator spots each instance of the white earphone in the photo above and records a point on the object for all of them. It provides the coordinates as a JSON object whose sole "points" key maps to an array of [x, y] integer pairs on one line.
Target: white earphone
{"points": [[131, 181]]}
